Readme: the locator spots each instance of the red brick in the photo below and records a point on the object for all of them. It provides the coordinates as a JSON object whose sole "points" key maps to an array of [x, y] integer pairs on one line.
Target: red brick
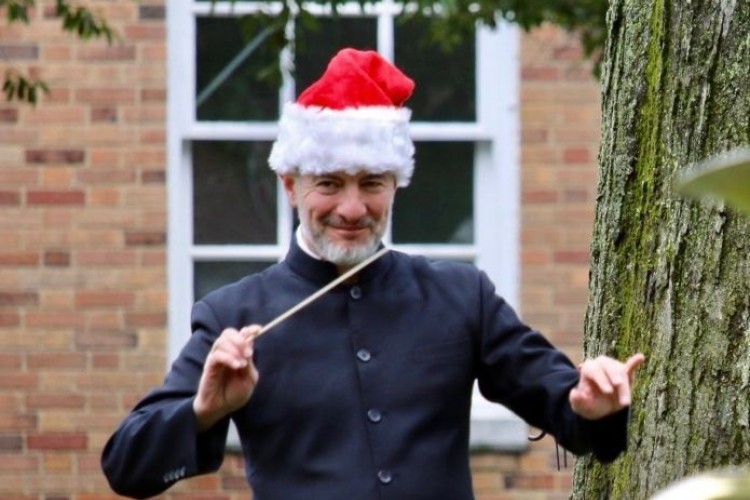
{"points": [[68, 156], [107, 53], [105, 360], [578, 195], [73, 197], [10, 443], [536, 481], [56, 360], [17, 464], [543, 73], [56, 258], [17, 51], [145, 238], [8, 319], [18, 381], [54, 320], [18, 177], [572, 257], [49, 12], [153, 258], [151, 12], [107, 114], [57, 95], [105, 95], [540, 196], [139, 320], [19, 298], [533, 136], [36, 401], [572, 52], [145, 32], [47, 116], [155, 136], [96, 258], [8, 115], [154, 95], [106, 176], [10, 361], [576, 155], [57, 441], [104, 298], [56, 53], [106, 339], [153, 177], [10, 198], [104, 197], [19, 259]]}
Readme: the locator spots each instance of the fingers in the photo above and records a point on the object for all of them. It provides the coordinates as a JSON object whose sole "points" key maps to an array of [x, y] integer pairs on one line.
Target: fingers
{"points": [[250, 332], [593, 372], [633, 363], [233, 348], [612, 377]]}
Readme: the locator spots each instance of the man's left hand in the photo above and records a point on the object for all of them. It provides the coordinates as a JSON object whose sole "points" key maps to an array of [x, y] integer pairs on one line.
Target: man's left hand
{"points": [[604, 387]]}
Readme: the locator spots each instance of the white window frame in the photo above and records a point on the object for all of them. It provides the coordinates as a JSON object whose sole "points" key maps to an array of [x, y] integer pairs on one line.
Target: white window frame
{"points": [[495, 133]]}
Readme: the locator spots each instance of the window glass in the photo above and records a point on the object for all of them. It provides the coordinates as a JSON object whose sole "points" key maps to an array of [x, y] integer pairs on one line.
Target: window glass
{"points": [[239, 94], [209, 276], [234, 193], [437, 207], [446, 82], [315, 45]]}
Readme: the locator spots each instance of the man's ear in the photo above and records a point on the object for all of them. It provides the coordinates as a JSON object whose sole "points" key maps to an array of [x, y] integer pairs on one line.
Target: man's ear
{"points": [[288, 181]]}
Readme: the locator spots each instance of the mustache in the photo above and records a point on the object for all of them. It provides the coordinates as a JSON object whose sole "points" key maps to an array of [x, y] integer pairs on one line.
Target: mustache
{"points": [[337, 221]]}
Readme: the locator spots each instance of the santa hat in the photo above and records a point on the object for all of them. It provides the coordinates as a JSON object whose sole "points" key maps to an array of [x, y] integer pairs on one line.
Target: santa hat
{"points": [[352, 119]]}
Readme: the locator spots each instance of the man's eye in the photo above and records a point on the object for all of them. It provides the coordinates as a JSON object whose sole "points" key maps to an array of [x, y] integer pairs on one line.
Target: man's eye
{"points": [[325, 186], [373, 185]]}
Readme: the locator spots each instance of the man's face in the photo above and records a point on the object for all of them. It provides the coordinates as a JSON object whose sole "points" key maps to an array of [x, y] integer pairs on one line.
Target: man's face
{"points": [[343, 216]]}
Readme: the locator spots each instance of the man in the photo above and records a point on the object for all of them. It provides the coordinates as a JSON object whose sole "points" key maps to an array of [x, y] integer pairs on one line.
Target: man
{"points": [[366, 393]]}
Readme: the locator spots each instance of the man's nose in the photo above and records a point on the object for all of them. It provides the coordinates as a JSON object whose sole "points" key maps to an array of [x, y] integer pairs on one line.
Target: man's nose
{"points": [[352, 206]]}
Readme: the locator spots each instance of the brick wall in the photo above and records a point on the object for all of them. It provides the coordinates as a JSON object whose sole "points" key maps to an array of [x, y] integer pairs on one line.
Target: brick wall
{"points": [[82, 248]]}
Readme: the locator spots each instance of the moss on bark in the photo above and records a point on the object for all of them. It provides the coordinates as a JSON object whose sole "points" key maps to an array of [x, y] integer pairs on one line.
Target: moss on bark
{"points": [[670, 277]]}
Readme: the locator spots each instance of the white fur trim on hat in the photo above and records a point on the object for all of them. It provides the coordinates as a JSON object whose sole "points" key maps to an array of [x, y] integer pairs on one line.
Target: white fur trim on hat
{"points": [[315, 140]]}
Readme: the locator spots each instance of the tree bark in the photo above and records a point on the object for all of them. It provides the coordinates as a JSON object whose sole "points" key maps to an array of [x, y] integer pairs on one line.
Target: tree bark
{"points": [[671, 277]]}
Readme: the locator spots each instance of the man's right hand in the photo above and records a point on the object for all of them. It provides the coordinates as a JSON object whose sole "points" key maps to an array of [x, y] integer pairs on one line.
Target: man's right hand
{"points": [[229, 376]]}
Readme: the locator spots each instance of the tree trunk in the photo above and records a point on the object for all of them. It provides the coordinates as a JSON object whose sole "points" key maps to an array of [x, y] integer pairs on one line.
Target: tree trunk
{"points": [[670, 277]]}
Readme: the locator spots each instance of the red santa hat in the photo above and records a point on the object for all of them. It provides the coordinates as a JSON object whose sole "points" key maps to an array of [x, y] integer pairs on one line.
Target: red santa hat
{"points": [[351, 119]]}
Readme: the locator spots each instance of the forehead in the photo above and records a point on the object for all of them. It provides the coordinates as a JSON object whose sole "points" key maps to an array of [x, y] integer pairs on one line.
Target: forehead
{"points": [[348, 176]]}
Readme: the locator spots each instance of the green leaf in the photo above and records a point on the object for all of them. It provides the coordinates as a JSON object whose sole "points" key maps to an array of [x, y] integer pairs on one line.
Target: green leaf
{"points": [[18, 10], [18, 87]]}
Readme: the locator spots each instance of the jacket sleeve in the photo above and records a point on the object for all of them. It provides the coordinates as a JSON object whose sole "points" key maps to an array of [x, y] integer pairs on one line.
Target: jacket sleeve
{"points": [[158, 443], [520, 369]]}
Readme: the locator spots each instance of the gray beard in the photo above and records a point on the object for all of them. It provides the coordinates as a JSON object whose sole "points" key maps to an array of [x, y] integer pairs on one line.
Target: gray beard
{"points": [[339, 254]]}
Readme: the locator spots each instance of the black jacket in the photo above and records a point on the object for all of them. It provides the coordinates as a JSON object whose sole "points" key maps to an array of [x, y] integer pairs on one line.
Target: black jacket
{"points": [[365, 394]]}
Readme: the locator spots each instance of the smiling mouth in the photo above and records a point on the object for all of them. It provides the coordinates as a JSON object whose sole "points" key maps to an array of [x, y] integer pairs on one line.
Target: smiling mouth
{"points": [[350, 230]]}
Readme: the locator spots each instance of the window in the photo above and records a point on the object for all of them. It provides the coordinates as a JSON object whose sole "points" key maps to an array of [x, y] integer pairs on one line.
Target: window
{"points": [[227, 214]]}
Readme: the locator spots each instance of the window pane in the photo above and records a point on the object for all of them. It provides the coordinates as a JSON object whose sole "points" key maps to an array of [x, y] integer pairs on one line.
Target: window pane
{"points": [[316, 45], [209, 276], [234, 193], [445, 81], [437, 207], [240, 94]]}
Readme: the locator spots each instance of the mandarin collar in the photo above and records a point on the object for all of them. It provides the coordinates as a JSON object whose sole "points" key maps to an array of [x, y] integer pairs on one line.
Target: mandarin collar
{"points": [[323, 272]]}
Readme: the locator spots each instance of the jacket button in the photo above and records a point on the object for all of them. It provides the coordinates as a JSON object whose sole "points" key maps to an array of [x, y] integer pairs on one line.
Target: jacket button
{"points": [[374, 416], [364, 355], [385, 476], [355, 293]]}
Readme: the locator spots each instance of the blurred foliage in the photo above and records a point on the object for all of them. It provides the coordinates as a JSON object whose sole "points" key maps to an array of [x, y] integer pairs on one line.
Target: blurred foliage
{"points": [[452, 21], [79, 20]]}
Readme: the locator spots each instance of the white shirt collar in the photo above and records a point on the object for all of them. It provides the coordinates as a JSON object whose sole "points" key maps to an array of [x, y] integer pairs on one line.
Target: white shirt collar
{"points": [[303, 244]]}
